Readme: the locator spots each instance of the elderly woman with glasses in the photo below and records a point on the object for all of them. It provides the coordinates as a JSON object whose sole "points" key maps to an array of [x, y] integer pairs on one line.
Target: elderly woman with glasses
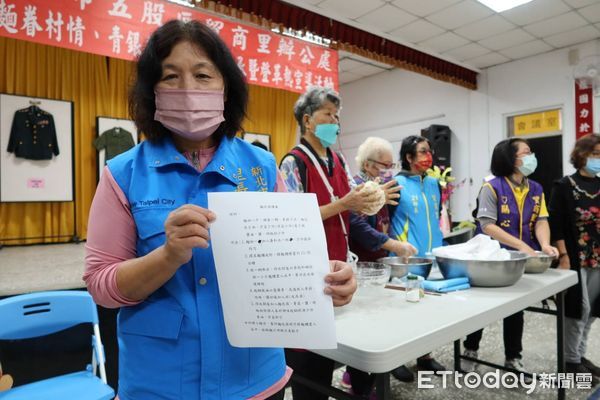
{"points": [[371, 241]]}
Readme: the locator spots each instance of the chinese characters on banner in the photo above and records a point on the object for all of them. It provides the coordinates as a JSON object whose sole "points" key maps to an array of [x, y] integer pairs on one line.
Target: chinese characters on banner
{"points": [[270, 257], [584, 110], [120, 28]]}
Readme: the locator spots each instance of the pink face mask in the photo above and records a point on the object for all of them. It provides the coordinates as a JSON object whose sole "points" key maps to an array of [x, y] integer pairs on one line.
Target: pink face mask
{"points": [[192, 114]]}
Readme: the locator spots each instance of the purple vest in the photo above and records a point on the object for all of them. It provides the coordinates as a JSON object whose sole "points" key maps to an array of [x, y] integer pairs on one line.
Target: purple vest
{"points": [[509, 217]]}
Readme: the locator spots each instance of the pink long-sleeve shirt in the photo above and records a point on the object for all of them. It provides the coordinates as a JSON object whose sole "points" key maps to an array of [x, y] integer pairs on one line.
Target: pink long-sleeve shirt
{"points": [[111, 241]]}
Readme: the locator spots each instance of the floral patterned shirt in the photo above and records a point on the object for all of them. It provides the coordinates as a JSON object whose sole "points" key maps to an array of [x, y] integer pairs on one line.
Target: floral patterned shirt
{"points": [[586, 192]]}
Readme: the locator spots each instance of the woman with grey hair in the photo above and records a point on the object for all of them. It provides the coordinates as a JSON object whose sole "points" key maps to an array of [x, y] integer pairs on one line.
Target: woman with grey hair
{"points": [[372, 149], [316, 112], [370, 241], [313, 167]]}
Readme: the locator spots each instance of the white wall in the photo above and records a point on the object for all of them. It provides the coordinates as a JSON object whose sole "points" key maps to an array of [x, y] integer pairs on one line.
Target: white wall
{"points": [[536, 82], [398, 103]]}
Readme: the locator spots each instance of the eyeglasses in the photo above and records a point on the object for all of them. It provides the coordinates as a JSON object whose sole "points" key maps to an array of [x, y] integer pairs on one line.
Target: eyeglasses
{"points": [[385, 165]]}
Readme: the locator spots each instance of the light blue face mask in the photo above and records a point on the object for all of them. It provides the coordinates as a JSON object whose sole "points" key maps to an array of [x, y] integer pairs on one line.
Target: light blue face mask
{"points": [[593, 165], [529, 164], [327, 134]]}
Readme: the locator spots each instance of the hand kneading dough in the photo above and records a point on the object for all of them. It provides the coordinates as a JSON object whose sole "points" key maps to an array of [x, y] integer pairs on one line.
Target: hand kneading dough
{"points": [[373, 207]]}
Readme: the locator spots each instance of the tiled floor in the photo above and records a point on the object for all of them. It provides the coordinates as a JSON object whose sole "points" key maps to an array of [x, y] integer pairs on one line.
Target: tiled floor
{"points": [[539, 343]]}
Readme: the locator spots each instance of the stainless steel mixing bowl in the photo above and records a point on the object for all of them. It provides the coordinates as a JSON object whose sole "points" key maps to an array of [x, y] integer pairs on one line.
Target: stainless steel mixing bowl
{"points": [[485, 273], [539, 264], [402, 265]]}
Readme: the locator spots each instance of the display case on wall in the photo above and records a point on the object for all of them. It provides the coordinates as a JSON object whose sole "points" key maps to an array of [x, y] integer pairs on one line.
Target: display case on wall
{"points": [[36, 143], [263, 139], [113, 137]]}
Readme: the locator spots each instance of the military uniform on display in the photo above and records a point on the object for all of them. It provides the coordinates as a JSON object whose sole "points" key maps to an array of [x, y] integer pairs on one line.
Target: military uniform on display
{"points": [[33, 134], [115, 141]]}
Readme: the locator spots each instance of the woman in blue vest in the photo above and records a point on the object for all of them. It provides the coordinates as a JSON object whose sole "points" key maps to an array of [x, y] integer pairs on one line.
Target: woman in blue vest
{"points": [[416, 219], [511, 209], [148, 243]]}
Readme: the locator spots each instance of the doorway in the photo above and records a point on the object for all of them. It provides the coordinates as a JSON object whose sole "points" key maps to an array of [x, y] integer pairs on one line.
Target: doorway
{"points": [[548, 151]]}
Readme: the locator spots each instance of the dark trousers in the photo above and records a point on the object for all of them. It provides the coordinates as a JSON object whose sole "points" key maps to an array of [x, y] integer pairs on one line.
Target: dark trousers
{"points": [[362, 382], [513, 337], [311, 366]]}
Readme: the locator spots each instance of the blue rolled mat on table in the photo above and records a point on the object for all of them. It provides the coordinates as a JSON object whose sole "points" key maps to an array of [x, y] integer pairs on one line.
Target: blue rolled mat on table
{"points": [[446, 285]]}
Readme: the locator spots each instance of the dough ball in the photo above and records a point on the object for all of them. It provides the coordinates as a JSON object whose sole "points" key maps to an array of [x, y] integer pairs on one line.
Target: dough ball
{"points": [[373, 207]]}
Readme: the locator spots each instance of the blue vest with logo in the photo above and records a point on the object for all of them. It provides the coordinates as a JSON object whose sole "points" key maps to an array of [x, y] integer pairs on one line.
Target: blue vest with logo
{"points": [[416, 219], [173, 345]]}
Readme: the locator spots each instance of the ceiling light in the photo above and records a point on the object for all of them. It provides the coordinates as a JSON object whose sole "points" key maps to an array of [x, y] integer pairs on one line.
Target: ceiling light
{"points": [[303, 35], [503, 5]]}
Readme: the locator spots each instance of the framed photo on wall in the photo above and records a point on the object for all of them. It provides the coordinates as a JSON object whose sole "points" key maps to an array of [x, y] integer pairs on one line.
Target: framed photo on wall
{"points": [[113, 137], [36, 149], [262, 138]]}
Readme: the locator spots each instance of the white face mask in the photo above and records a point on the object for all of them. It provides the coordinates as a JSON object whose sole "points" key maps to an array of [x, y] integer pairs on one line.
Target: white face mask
{"points": [[192, 114]]}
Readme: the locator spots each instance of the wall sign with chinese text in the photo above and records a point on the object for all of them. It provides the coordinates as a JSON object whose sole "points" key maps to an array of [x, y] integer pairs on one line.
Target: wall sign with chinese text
{"points": [[584, 108], [537, 123], [120, 28]]}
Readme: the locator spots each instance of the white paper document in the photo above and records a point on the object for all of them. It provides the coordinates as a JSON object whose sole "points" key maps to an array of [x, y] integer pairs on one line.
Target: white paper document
{"points": [[271, 259]]}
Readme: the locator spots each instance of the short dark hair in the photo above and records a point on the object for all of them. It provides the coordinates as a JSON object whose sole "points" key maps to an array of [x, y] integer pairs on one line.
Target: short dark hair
{"points": [[504, 156], [409, 147], [149, 70], [583, 148]]}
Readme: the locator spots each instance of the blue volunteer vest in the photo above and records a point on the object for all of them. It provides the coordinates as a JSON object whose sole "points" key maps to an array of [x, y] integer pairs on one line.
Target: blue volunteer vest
{"points": [[173, 345], [416, 218]]}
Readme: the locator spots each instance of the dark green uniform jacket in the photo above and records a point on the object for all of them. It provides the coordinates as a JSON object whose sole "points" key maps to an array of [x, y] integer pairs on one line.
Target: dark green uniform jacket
{"points": [[115, 141]]}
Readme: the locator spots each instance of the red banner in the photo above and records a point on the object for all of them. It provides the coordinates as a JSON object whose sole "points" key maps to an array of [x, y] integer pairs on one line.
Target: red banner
{"points": [[584, 108], [119, 28]]}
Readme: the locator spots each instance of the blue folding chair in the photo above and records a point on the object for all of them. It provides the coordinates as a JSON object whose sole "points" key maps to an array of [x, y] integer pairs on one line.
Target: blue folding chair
{"points": [[39, 314]]}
